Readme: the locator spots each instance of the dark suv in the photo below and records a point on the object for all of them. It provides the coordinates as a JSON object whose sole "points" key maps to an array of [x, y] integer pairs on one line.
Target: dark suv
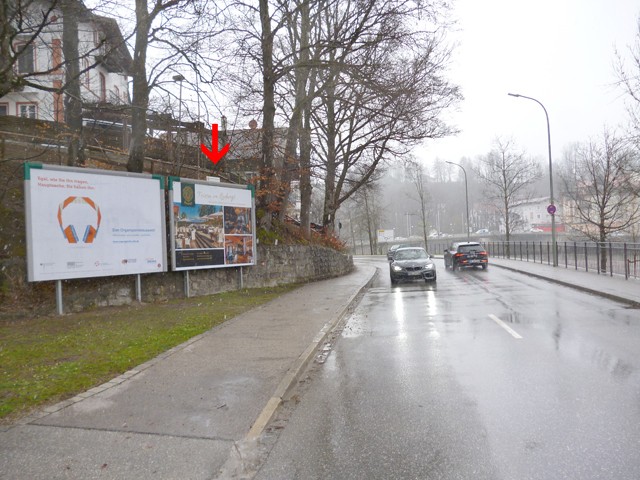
{"points": [[466, 254]]}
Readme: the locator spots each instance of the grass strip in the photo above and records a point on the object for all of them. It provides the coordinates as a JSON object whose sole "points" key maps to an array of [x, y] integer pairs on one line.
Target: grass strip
{"points": [[48, 359]]}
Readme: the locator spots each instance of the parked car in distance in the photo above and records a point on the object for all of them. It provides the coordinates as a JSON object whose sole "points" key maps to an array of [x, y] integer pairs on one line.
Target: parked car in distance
{"points": [[483, 231], [466, 254], [412, 263], [392, 250], [535, 230]]}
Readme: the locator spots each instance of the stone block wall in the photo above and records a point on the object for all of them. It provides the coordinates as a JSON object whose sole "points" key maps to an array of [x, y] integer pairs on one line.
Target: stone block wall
{"points": [[277, 265]]}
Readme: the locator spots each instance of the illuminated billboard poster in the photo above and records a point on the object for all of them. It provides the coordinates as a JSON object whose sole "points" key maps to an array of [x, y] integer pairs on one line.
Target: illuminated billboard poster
{"points": [[212, 225], [93, 223]]}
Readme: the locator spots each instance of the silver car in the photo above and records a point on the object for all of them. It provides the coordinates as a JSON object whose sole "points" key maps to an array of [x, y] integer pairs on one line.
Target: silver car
{"points": [[412, 263]]}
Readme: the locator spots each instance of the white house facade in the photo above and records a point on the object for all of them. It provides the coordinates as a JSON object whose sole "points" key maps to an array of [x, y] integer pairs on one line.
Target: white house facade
{"points": [[104, 61]]}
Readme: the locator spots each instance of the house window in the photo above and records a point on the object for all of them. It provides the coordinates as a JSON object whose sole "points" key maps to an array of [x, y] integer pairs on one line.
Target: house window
{"points": [[87, 77], [56, 54], [103, 88], [4, 109], [27, 110], [26, 57]]}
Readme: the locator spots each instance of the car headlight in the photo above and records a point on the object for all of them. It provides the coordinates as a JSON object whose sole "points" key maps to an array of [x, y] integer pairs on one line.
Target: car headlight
{"points": [[396, 268], [429, 266]]}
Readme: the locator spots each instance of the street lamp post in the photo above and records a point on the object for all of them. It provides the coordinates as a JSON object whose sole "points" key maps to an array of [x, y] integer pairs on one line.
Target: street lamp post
{"points": [[179, 78], [551, 209], [466, 194]]}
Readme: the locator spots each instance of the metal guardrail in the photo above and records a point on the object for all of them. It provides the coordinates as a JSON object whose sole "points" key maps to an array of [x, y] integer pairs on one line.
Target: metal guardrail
{"points": [[606, 258]]}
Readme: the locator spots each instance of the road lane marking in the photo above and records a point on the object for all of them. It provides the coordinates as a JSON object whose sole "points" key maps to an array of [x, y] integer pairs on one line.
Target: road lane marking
{"points": [[511, 331]]}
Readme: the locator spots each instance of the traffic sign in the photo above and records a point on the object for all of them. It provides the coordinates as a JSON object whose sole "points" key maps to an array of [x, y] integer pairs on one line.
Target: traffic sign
{"points": [[551, 209]]}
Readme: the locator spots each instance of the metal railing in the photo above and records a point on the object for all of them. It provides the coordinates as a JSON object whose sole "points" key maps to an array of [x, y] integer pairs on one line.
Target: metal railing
{"points": [[607, 258]]}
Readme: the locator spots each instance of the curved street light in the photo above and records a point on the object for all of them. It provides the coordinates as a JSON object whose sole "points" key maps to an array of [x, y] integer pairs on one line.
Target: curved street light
{"points": [[466, 194], [551, 208]]}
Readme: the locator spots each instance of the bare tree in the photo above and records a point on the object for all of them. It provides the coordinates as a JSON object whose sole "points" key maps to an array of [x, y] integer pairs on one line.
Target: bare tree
{"points": [[419, 180], [602, 180], [73, 101], [141, 88], [365, 215], [629, 78], [508, 175], [181, 34], [380, 100]]}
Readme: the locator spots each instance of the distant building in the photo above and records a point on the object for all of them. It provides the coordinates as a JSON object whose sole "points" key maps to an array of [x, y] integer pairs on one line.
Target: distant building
{"points": [[532, 215], [100, 41]]}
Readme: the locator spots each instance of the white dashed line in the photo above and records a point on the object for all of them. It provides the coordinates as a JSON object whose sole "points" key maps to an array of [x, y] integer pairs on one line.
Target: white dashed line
{"points": [[511, 331]]}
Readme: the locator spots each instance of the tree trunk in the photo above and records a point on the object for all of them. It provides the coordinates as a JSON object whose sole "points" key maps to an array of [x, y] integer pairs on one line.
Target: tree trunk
{"points": [[140, 93], [268, 182], [602, 245], [328, 217], [301, 73], [7, 74], [72, 99], [305, 175]]}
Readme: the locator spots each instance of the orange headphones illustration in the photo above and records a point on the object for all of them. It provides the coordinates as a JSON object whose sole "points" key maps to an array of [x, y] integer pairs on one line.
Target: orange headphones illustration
{"points": [[69, 231]]}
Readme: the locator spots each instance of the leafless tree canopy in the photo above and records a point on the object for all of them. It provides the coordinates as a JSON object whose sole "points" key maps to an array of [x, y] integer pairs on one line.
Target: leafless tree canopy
{"points": [[356, 83], [629, 78], [507, 174], [601, 179]]}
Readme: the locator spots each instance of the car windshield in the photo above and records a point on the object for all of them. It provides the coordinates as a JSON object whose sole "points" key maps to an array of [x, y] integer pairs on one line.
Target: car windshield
{"points": [[410, 254], [469, 248]]}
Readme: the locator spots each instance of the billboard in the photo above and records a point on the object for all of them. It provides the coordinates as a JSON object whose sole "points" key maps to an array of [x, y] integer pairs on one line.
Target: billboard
{"points": [[93, 223], [386, 235], [211, 225]]}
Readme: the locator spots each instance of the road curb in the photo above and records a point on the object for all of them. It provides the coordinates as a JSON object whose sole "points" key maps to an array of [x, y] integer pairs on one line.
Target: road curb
{"points": [[299, 366], [242, 461], [582, 288]]}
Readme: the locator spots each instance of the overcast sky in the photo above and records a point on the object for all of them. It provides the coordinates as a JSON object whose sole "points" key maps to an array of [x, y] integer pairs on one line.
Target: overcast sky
{"points": [[561, 52]]}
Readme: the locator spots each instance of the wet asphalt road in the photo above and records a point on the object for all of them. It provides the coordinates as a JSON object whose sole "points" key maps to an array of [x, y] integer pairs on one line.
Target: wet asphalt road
{"points": [[484, 375]]}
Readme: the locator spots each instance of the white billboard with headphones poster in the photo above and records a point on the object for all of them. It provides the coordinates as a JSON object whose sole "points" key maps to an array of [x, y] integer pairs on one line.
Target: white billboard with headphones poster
{"points": [[93, 223]]}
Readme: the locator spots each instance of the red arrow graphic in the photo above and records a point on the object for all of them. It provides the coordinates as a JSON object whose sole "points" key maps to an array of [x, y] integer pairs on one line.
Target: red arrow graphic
{"points": [[214, 155]]}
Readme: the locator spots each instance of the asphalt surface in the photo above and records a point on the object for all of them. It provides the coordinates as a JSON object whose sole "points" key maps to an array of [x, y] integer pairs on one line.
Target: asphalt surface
{"points": [[188, 413]]}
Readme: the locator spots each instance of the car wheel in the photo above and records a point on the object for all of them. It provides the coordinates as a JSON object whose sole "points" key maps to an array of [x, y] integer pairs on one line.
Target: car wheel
{"points": [[393, 281]]}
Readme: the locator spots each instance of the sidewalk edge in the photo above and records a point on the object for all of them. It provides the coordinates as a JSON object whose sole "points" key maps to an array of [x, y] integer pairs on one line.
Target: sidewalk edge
{"points": [[600, 293], [301, 363]]}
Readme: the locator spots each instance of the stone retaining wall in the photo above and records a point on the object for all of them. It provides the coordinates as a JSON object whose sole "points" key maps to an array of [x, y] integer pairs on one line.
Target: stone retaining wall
{"points": [[277, 265]]}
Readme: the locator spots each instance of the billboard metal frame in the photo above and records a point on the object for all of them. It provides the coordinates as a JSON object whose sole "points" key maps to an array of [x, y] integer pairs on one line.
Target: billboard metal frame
{"points": [[84, 250], [208, 238]]}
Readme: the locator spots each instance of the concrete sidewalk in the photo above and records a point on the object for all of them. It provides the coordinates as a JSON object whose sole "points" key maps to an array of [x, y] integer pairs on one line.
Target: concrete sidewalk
{"points": [[615, 288], [181, 415]]}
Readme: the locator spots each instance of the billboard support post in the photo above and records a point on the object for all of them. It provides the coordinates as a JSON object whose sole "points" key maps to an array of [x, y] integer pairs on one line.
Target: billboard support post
{"points": [[59, 308], [241, 279], [138, 288], [187, 292]]}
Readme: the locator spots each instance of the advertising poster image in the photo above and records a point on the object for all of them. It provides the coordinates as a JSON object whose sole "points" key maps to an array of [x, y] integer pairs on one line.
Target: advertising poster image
{"points": [[91, 223], [212, 226]]}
